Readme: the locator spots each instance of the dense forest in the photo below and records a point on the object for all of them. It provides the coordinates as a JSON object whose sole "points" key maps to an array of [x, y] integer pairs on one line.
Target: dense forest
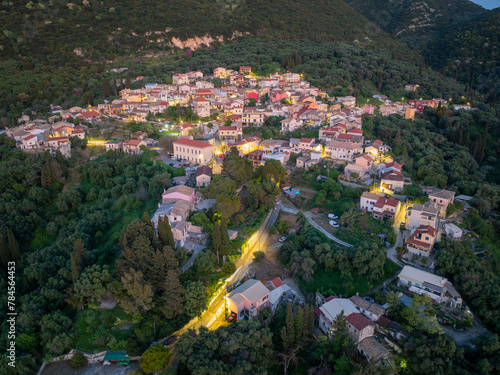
{"points": [[469, 53], [416, 22], [39, 29]]}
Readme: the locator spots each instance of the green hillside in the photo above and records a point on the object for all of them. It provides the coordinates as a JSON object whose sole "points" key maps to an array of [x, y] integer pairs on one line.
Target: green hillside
{"points": [[416, 21], [106, 29], [470, 53]]}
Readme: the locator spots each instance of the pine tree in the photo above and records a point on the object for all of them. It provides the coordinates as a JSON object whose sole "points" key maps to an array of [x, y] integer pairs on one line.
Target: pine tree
{"points": [[308, 331], [15, 254], [217, 239], [115, 88], [299, 325], [225, 247], [4, 251], [128, 82], [173, 295], [106, 88]]}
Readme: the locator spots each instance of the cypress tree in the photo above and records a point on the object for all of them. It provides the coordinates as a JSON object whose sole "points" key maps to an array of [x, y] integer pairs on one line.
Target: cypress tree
{"points": [[122, 84], [106, 88], [217, 239], [225, 246], [15, 254], [78, 259], [115, 88], [128, 82], [173, 295], [299, 324], [165, 234], [4, 251], [290, 324]]}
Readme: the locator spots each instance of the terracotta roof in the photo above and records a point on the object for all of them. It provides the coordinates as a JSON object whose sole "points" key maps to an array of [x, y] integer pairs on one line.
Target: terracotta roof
{"points": [[200, 100], [29, 137], [347, 137], [221, 128], [382, 202], [394, 165], [306, 140], [392, 176], [426, 229], [277, 282], [359, 321], [192, 143], [186, 190], [133, 142], [204, 170], [328, 299], [384, 321], [185, 126]]}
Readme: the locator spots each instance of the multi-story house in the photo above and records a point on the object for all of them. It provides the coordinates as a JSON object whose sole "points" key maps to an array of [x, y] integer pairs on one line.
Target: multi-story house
{"points": [[203, 176], [386, 208], [290, 125], [201, 107], [436, 287], [422, 214], [220, 72], [253, 118], [255, 157], [392, 181], [133, 146], [442, 198], [421, 241], [342, 150], [230, 132], [248, 300], [194, 151], [368, 201]]}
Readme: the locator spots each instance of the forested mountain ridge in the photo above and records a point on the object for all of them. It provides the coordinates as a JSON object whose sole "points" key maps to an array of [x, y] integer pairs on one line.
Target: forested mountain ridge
{"points": [[106, 29], [416, 21], [470, 53]]}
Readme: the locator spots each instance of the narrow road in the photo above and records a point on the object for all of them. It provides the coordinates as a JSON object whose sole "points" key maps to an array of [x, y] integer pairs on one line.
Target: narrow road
{"points": [[308, 216], [398, 220], [214, 316]]}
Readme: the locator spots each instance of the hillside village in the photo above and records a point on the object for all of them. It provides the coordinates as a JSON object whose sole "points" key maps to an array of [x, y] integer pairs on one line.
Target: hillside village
{"points": [[226, 120]]}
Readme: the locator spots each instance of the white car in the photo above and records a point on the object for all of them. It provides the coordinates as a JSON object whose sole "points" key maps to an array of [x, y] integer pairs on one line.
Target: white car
{"points": [[334, 224], [332, 216]]}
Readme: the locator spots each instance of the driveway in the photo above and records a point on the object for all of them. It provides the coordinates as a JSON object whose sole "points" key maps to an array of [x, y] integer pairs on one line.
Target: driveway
{"points": [[65, 368], [308, 216]]}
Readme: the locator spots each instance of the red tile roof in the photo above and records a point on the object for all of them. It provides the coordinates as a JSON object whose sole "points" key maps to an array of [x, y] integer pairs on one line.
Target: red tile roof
{"points": [[29, 137], [306, 140], [277, 282], [204, 170], [359, 321], [382, 202], [426, 229], [192, 143], [200, 100], [328, 299], [133, 142]]}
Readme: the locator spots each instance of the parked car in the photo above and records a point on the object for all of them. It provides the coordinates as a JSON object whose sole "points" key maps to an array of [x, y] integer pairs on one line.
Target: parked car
{"points": [[231, 317], [334, 224], [282, 239], [179, 159], [332, 216], [171, 164]]}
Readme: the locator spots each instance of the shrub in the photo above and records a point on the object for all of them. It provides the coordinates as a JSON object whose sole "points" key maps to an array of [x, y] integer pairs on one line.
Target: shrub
{"points": [[258, 256], [78, 360]]}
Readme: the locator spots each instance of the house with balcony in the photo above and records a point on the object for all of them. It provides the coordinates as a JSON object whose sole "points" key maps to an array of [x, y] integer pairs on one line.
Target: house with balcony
{"points": [[230, 132], [340, 150], [386, 208], [255, 157], [392, 181], [442, 198], [360, 328], [422, 214], [367, 201], [133, 146], [421, 241], [248, 300], [253, 118], [438, 288]]}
